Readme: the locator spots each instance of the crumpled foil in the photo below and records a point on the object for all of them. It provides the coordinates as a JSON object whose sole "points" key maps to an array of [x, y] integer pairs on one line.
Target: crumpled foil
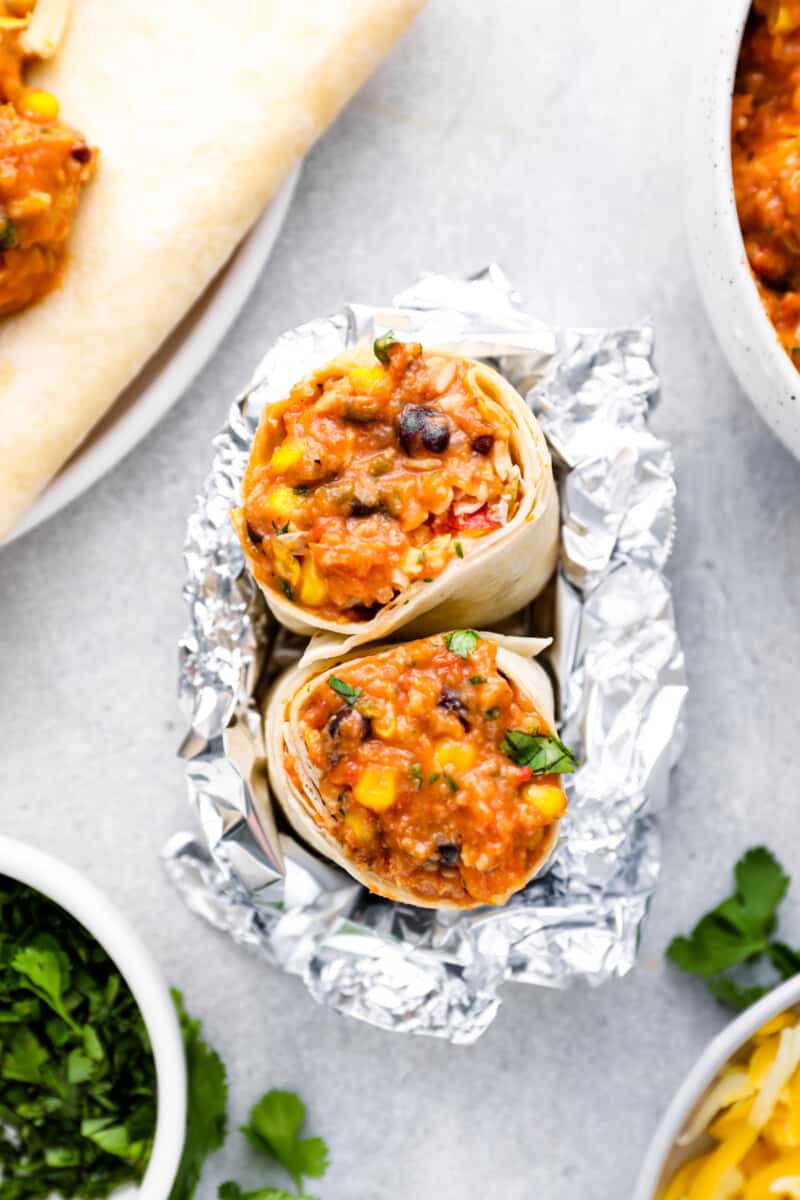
{"points": [[617, 661]]}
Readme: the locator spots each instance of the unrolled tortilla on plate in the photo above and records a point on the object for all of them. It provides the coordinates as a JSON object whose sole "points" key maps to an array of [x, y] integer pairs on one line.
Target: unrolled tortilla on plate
{"points": [[198, 111]]}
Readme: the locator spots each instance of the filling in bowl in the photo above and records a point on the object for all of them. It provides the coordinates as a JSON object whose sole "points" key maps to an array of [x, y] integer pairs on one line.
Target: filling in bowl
{"points": [[434, 770], [765, 139], [370, 478]]}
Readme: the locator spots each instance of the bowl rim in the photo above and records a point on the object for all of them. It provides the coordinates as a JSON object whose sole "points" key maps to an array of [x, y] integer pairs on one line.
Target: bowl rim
{"points": [[708, 121], [714, 1057], [78, 896]]}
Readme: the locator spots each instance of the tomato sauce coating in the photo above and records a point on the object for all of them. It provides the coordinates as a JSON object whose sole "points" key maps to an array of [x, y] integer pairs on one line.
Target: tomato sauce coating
{"points": [[407, 748], [370, 478]]}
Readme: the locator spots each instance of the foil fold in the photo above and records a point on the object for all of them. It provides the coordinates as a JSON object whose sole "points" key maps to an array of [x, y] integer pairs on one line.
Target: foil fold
{"points": [[617, 660]]}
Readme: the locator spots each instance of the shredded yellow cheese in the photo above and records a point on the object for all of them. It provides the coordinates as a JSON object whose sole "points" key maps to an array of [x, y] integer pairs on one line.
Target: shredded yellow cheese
{"points": [[750, 1125]]}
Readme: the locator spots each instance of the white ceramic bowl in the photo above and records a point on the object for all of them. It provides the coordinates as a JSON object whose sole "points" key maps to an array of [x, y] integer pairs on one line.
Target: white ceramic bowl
{"points": [[743, 328], [82, 900], [664, 1157]]}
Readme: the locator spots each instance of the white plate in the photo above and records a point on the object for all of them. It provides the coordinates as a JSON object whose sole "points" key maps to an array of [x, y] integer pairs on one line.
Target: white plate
{"points": [[167, 375]]}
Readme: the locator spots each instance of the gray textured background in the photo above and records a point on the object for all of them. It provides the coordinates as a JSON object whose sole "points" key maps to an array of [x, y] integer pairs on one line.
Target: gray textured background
{"points": [[552, 144]]}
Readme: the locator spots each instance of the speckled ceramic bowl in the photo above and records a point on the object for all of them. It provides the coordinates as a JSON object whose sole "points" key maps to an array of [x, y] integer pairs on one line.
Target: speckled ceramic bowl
{"points": [[74, 893], [742, 326], [664, 1155]]}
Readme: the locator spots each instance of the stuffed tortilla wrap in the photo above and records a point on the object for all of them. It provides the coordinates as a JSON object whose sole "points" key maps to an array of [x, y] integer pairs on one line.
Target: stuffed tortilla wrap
{"points": [[398, 487], [429, 770]]}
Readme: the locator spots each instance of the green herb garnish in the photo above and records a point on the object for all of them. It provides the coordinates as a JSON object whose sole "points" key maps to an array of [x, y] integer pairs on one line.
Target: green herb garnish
{"points": [[416, 774], [477, 679], [286, 588], [380, 347], [348, 693], [459, 549], [433, 778], [738, 932], [279, 529], [451, 783], [462, 642], [301, 489], [493, 713], [8, 234], [274, 1128], [206, 1118], [77, 1076], [542, 752]]}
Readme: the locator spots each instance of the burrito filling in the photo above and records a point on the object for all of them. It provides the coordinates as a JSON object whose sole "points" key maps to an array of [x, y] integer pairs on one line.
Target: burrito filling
{"points": [[369, 479], [765, 140], [43, 167], [435, 771]]}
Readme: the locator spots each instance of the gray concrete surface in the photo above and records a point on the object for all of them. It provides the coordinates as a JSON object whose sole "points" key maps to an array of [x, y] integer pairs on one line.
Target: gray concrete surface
{"points": [[548, 137]]}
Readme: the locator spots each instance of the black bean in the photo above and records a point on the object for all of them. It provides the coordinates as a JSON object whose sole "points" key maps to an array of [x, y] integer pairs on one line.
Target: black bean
{"points": [[436, 436], [365, 612], [449, 853], [255, 537], [425, 425], [359, 509], [483, 444], [80, 152], [452, 702], [349, 721]]}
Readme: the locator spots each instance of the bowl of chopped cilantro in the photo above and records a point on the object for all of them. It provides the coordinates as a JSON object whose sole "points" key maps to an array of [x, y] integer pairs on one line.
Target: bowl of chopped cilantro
{"points": [[92, 1064]]}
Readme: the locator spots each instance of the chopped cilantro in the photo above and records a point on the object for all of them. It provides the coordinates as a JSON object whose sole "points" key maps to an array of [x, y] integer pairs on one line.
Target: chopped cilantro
{"points": [[348, 693], [462, 642], [274, 1126], [459, 549], [300, 490], [286, 588], [8, 234], [476, 679], [433, 778], [279, 529], [416, 774], [451, 783], [493, 713], [542, 752], [380, 347]]}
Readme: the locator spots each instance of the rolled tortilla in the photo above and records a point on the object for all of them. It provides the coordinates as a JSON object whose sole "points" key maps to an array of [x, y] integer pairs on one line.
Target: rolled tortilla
{"points": [[479, 575], [455, 834], [199, 110]]}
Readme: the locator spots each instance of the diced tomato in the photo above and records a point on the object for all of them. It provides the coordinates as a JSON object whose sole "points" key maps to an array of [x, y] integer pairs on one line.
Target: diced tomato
{"points": [[523, 775], [475, 520]]}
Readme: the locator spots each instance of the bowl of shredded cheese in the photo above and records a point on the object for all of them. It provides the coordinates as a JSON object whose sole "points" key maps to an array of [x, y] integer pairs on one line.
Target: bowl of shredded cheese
{"points": [[732, 1131]]}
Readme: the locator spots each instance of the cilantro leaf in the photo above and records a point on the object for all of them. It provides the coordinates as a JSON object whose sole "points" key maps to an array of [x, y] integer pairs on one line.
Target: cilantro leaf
{"points": [[738, 931], [380, 347], [45, 970], [415, 770], [728, 992], [348, 693], [462, 642], [275, 1122], [232, 1191], [450, 781], [8, 234], [207, 1116], [542, 752]]}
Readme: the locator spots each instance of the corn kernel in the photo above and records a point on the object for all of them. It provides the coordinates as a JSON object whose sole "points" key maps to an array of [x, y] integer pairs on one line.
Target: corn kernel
{"points": [[281, 502], [287, 455], [42, 106], [376, 788], [549, 799], [360, 827], [366, 378], [313, 589], [456, 757], [286, 565]]}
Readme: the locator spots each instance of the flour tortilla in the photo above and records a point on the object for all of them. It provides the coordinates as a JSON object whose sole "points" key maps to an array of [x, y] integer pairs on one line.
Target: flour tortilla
{"points": [[515, 660], [499, 573], [199, 110]]}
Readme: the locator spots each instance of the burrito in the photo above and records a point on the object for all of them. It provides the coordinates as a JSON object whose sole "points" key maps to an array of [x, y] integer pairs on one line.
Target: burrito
{"points": [[398, 487], [430, 770]]}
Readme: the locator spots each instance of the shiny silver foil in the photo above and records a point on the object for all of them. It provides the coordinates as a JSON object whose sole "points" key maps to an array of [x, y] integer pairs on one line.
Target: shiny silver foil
{"points": [[617, 660]]}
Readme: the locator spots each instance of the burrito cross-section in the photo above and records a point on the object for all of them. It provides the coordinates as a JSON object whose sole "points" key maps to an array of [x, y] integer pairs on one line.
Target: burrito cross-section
{"points": [[430, 770], [398, 487]]}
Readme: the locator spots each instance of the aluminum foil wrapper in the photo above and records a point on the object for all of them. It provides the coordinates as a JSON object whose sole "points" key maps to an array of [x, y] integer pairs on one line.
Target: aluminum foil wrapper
{"points": [[617, 660]]}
